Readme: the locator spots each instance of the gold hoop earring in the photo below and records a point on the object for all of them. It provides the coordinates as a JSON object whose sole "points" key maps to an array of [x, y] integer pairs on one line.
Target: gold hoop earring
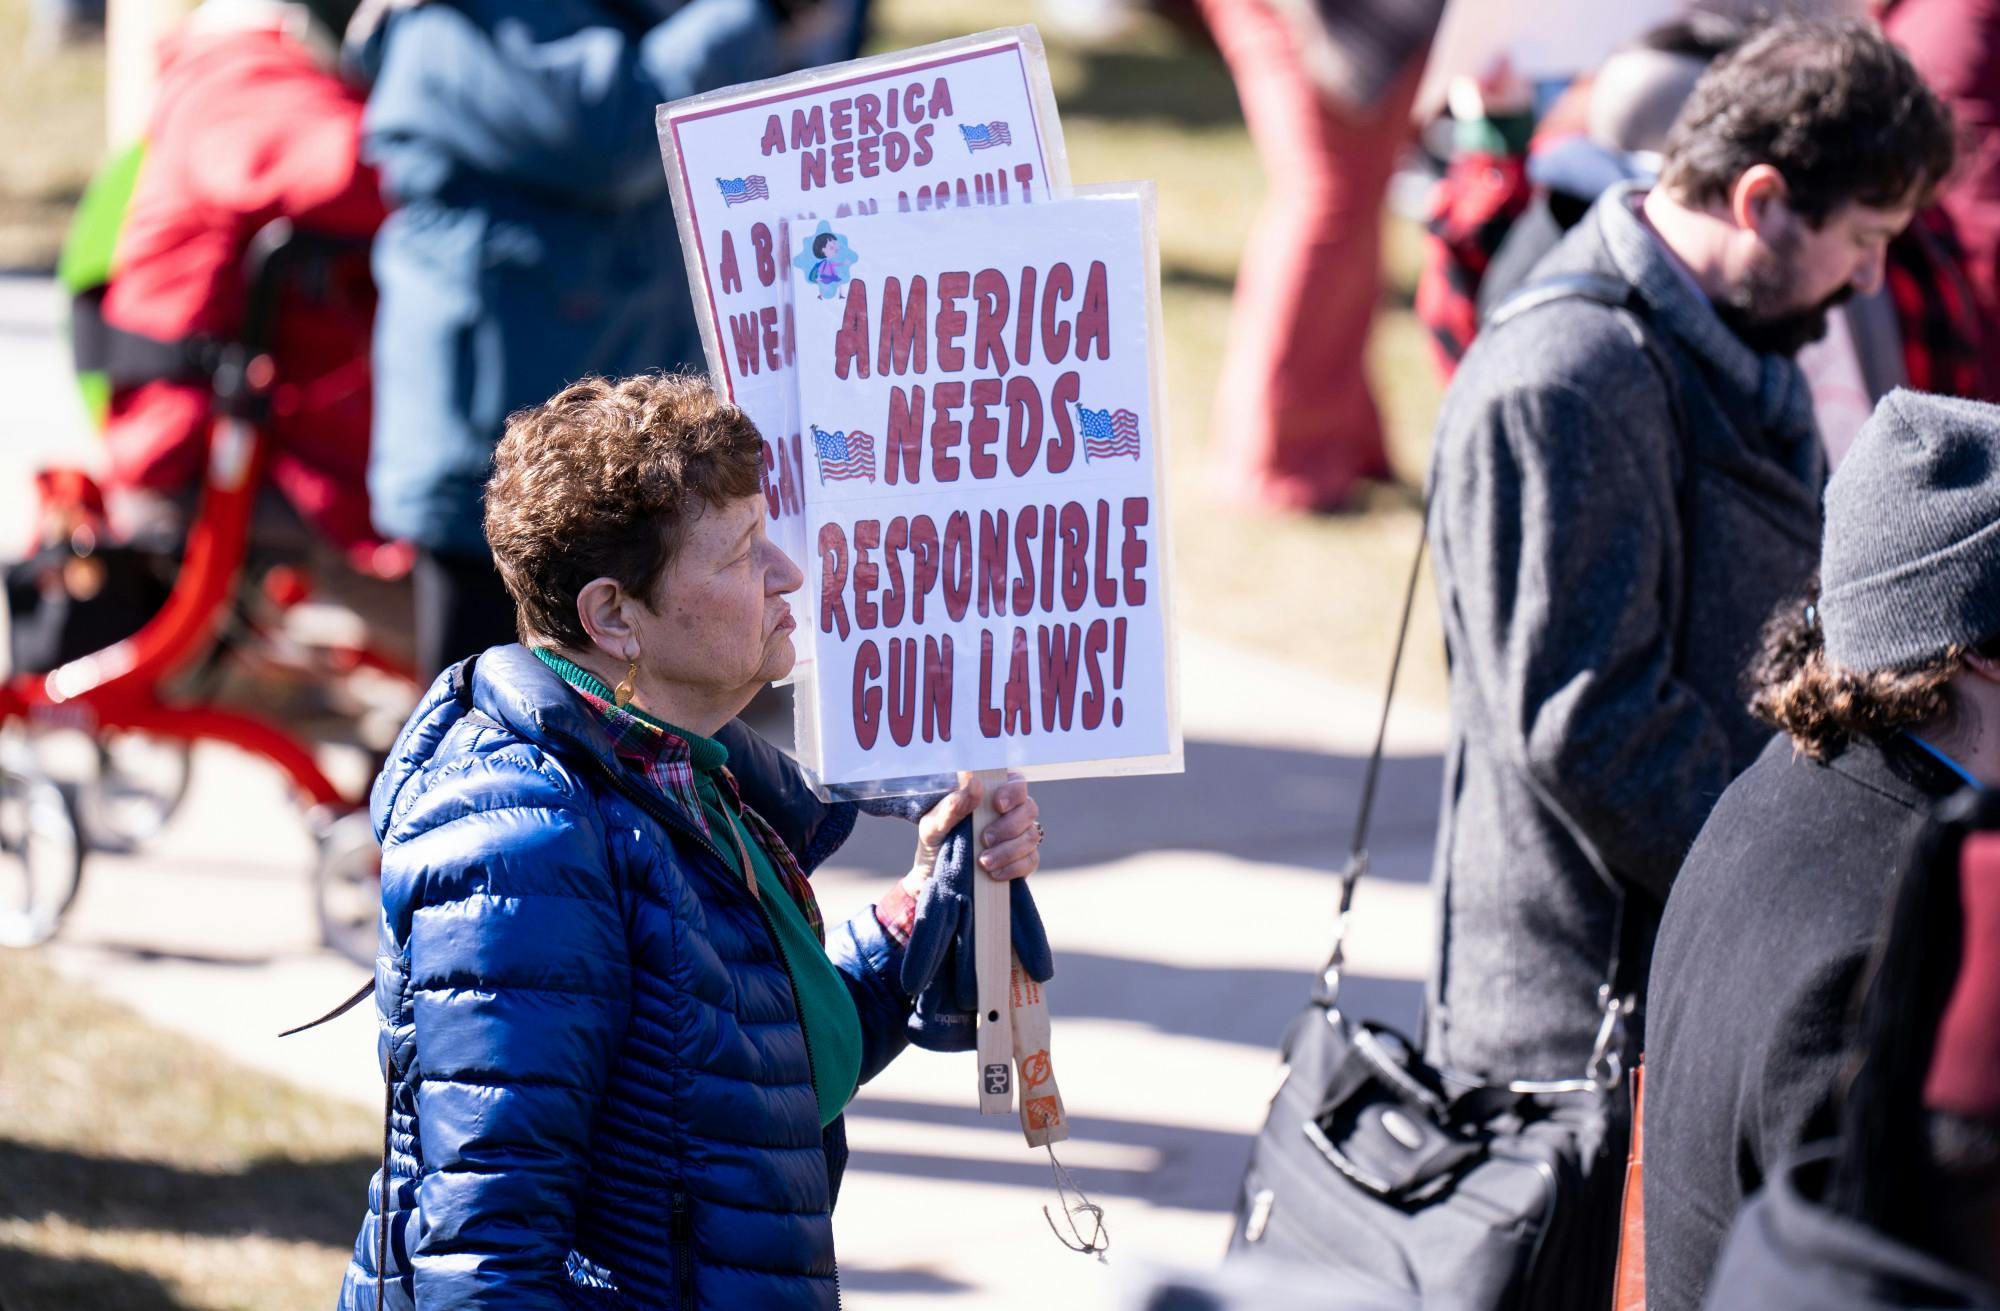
{"points": [[621, 696]]}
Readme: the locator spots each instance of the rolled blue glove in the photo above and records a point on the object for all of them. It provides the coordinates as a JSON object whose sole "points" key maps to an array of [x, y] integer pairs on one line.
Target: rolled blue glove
{"points": [[940, 965]]}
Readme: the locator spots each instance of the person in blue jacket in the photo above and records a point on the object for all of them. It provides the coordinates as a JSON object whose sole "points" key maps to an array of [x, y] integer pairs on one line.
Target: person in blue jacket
{"points": [[617, 1037], [531, 242]]}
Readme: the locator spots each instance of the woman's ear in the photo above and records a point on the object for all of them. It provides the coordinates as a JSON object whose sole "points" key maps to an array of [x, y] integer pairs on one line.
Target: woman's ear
{"points": [[605, 610]]}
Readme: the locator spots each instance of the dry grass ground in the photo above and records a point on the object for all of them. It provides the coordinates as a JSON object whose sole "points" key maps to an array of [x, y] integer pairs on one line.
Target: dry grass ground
{"points": [[141, 1173]]}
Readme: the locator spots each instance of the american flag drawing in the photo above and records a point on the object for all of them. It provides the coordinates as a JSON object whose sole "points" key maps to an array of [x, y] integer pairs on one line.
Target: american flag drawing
{"points": [[985, 136], [844, 455], [1108, 433], [740, 191]]}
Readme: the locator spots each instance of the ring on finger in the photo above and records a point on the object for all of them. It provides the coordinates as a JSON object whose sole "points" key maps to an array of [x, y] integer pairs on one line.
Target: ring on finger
{"points": [[1040, 833]]}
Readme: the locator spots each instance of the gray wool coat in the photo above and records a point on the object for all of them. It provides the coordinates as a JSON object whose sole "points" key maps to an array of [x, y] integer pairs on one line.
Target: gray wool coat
{"points": [[1603, 572]]}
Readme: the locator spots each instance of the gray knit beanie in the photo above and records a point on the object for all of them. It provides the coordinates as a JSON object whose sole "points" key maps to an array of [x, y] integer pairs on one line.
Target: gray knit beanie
{"points": [[1910, 563]]}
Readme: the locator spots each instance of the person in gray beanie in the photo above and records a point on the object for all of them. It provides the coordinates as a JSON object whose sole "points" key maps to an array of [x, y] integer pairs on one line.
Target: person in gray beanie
{"points": [[1914, 574], [1884, 681]]}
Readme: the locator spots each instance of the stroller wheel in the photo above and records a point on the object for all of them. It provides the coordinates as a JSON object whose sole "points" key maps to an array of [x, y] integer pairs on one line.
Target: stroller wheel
{"points": [[41, 856], [347, 888], [140, 782]]}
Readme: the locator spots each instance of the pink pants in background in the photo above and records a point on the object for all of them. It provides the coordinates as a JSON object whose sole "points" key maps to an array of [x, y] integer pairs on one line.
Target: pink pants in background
{"points": [[1295, 427]]}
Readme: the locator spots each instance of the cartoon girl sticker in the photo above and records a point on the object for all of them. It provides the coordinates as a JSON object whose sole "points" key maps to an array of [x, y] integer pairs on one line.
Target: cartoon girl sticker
{"points": [[825, 271], [827, 261]]}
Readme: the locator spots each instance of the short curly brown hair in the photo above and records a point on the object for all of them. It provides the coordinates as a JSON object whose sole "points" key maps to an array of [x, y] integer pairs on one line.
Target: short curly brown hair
{"points": [[601, 481]]}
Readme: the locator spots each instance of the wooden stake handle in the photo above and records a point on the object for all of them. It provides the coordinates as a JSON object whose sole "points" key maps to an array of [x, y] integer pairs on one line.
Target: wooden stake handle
{"points": [[993, 955]]}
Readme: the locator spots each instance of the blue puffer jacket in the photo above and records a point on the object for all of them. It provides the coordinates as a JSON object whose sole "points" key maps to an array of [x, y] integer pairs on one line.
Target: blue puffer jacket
{"points": [[600, 1086], [531, 239]]}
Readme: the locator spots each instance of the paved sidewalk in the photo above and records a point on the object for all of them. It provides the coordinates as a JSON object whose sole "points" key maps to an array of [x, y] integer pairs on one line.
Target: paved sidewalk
{"points": [[1186, 912]]}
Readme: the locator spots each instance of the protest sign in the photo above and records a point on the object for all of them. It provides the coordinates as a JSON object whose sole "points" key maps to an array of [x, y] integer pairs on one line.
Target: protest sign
{"points": [[987, 585], [965, 121]]}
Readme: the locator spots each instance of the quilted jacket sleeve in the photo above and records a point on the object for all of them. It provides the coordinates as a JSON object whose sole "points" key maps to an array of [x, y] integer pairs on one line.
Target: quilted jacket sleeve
{"points": [[871, 963], [498, 883]]}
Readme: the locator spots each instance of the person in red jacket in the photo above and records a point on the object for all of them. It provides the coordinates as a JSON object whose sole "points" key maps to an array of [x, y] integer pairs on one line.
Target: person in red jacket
{"points": [[252, 124], [1955, 44]]}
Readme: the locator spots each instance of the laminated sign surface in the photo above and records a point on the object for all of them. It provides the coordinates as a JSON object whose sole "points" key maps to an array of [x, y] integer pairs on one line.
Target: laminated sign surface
{"points": [[982, 445], [968, 121]]}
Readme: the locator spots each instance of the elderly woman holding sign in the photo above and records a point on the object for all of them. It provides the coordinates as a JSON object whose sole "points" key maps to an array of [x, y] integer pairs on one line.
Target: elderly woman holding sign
{"points": [[618, 1039]]}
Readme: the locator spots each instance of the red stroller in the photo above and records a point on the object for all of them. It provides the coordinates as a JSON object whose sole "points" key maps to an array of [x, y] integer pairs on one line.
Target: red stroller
{"points": [[135, 687]]}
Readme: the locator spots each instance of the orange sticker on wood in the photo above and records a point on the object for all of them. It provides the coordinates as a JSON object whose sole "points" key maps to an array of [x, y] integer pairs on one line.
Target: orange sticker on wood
{"points": [[1042, 1112]]}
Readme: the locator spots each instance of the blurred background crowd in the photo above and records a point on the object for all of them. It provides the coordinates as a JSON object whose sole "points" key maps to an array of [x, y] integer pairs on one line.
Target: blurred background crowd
{"points": [[464, 208]]}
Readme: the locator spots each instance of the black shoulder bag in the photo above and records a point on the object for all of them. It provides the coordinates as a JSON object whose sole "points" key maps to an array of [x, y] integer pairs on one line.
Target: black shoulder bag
{"points": [[1390, 1174]]}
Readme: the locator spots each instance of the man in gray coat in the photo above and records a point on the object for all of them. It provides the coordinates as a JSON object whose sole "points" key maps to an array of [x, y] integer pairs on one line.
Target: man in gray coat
{"points": [[1625, 482]]}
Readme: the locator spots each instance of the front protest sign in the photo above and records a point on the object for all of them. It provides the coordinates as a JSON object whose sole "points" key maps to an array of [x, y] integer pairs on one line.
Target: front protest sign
{"points": [[967, 121], [987, 584]]}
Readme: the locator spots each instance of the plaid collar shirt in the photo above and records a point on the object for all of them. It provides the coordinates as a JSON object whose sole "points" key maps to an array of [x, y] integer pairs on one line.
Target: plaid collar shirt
{"points": [[667, 760]]}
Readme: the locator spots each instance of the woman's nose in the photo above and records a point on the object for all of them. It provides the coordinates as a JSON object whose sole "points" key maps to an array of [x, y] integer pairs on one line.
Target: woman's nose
{"points": [[784, 576]]}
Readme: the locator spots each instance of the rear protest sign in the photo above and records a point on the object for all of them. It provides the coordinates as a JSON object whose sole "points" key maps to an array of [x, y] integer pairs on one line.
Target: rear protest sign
{"points": [[962, 122], [983, 439]]}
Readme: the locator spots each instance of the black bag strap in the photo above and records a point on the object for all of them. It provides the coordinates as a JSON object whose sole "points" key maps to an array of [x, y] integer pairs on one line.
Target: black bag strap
{"points": [[366, 991], [1606, 1064], [1600, 287], [362, 994], [1327, 990]]}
